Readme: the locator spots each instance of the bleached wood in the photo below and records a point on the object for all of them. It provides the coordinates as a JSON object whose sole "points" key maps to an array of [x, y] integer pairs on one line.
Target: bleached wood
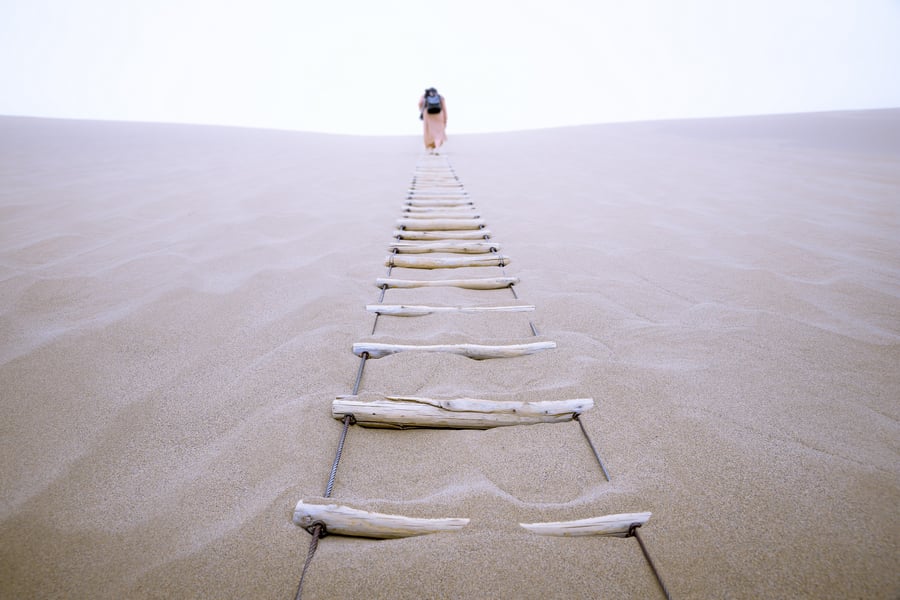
{"points": [[343, 520], [454, 206], [442, 215], [454, 247], [405, 310], [467, 210], [459, 413], [439, 224], [438, 191], [473, 351], [444, 262], [607, 525], [473, 234], [433, 196], [481, 283], [445, 203]]}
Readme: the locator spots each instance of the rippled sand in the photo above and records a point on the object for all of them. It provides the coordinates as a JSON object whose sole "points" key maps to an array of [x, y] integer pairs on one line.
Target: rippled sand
{"points": [[177, 306]]}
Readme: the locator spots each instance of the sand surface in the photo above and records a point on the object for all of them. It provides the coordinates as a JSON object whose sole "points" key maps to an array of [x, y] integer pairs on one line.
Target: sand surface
{"points": [[178, 303]]}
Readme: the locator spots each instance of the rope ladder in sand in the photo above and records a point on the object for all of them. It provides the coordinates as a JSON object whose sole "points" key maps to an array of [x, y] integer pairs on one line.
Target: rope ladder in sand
{"points": [[439, 218]]}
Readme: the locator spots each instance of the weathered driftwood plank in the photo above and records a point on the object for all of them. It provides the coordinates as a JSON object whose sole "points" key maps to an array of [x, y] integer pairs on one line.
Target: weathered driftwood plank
{"points": [[410, 310], [473, 234], [343, 520], [479, 283], [437, 196], [442, 215], [431, 205], [417, 212], [454, 247], [439, 224], [444, 262], [467, 210], [474, 351], [402, 412], [607, 525], [445, 203]]}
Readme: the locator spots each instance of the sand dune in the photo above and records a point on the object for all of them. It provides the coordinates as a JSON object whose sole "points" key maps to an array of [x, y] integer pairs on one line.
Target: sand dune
{"points": [[178, 305]]}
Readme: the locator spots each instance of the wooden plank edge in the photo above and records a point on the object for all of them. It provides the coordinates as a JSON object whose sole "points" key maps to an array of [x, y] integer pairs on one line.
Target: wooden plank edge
{"points": [[398, 412], [615, 525], [420, 261], [473, 351], [488, 283], [413, 310], [437, 236], [344, 520], [447, 247]]}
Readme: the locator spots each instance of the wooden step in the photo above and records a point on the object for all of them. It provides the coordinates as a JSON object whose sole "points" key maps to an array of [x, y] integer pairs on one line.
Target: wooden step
{"points": [[480, 283], [471, 234], [616, 525], [450, 246], [344, 520], [473, 351], [440, 224], [410, 310], [401, 412], [459, 209], [444, 262], [423, 204], [441, 214]]}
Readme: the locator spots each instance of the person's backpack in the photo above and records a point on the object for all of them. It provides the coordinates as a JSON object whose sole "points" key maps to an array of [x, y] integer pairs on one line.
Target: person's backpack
{"points": [[432, 104]]}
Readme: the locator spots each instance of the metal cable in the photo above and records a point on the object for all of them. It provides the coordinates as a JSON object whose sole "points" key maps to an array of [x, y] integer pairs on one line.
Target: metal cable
{"points": [[633, 532], [348, 420], [359, 372], [313, 546], [577, 417], [317, 530]]}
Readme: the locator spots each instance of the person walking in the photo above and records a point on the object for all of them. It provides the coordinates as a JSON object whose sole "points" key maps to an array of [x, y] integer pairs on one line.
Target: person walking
{"points": [[433, 112]]}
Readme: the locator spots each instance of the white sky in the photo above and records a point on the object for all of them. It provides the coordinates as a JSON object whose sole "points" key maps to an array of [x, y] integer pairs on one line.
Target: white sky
{"points": [[359, 66]]}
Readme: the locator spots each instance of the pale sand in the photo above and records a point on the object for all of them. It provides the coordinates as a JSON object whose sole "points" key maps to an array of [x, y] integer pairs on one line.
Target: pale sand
{"points": [[177, 306]]}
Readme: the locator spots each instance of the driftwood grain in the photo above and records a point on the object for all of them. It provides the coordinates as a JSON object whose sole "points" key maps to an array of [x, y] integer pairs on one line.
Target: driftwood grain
{"points": [[440, 224], [413, 310], [474, 351], [617, 525], [477, 283], [453, 247], [343, 520], [401, 412], [445, 214], [475, 234], [436, 203], [468, 208], [444, 262]]}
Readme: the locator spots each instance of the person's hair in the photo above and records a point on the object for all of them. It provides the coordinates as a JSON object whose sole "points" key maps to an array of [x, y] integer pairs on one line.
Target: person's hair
{"points": [[431, 90]]}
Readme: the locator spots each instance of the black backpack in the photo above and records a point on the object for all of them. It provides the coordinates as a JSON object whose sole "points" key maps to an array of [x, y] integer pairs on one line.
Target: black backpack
{"points": [[432, 104]]}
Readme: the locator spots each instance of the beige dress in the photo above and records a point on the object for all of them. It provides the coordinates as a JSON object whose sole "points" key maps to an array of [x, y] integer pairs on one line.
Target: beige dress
{"points": [[435, 125]]}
